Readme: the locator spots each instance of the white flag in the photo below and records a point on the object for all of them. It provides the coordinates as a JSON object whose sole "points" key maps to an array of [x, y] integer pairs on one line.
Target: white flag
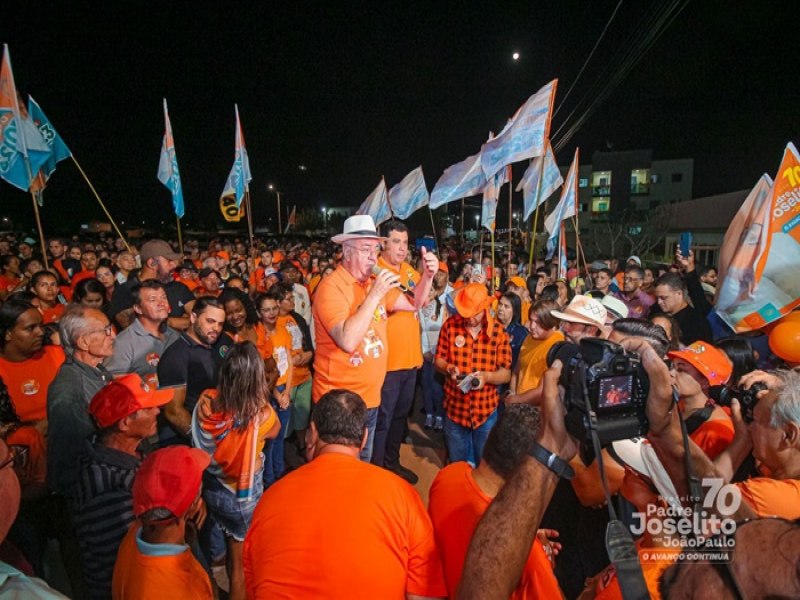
{"points": [[376, 205], [540, 181], [409, 195]]}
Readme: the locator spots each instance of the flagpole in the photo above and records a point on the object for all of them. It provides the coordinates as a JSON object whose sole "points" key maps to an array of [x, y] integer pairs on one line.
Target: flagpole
{"points": [[103, 206], [180, 237], [510, 219], [494, 271], [536, 216], [280, 223], [462, 220], [433, 225], [249, 210], [41, 231]]}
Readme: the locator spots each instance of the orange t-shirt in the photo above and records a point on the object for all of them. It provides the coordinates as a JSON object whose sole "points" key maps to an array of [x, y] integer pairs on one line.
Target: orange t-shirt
{"points": [[8, 283], [346, 529], [405, 342], [80, 276], [281, 341], [362, 371], [713, 436], [27, 381], [52, 315], [262, 343], [301, 373], [139, 576], [772, 497], [456, 506]]}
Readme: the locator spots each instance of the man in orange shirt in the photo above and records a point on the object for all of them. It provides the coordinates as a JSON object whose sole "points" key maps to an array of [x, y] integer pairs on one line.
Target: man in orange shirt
{"points": [[403, 361], [337, 527], [154, 560], [460, 495], [350, 312]]}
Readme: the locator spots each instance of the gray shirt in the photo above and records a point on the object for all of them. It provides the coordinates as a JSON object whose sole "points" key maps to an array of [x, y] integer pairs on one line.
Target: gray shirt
{"points": [[136, 350], [69, 423]]}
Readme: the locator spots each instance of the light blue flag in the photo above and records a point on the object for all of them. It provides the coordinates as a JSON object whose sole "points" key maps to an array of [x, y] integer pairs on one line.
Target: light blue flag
{"points": [[567, 206], [524, 136], [58, 149], [490, 194], [240, 176], [376, 205], [23, 151], [459, 181], [409, 195], [168, 172], [540, 181]]}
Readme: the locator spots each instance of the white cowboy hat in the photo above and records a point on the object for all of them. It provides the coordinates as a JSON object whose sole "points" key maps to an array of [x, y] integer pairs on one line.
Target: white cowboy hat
{"points": [[615, 307], [583, 309], [357, 227]]}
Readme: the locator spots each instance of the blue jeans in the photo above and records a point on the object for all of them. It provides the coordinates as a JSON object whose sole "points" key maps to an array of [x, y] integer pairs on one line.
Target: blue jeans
{"points": [[465, 443], [372, 420], [432, 392], [233, 516], [274, 464]]}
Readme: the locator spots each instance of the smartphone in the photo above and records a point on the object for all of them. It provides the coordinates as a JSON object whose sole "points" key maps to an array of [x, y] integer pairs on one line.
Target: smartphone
{"points": [[685, 243]]}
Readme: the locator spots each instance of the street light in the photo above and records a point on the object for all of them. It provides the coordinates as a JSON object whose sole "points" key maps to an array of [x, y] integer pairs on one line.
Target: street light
{"points": [[477, 221], [272, 188], [325, 217]]}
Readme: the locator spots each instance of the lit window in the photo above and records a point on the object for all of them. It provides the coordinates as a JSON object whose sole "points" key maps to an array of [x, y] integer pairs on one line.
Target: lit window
{"points": [[584, 182], [601, 205]]}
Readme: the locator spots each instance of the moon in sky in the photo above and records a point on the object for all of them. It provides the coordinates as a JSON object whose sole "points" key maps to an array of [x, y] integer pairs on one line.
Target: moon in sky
{"points": [[515, 56]]}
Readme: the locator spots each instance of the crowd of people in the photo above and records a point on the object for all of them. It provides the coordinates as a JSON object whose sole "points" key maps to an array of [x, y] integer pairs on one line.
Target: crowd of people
{"points": [[149, 395]]}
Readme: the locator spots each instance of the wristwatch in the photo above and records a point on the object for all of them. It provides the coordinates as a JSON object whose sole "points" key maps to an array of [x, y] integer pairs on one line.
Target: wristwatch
{"points": [[552, 461]]}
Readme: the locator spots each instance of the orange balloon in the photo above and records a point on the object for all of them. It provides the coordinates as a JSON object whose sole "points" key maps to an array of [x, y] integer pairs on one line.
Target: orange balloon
{"points": [[784, 341]]}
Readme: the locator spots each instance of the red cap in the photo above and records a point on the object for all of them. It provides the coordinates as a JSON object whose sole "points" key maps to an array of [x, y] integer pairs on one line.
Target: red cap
{"points": [[169, 478], [123, 397], [712, 362]]}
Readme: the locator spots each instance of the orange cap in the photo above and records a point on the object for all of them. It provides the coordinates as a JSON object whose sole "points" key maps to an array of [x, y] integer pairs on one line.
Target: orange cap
{"points": [[224, 254], [471, 299], [443, 267], [517, 281], [712, 362]]}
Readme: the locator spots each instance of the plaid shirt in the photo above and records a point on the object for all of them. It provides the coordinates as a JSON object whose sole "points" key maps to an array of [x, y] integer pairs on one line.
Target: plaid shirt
{"points": [[490, 351]]}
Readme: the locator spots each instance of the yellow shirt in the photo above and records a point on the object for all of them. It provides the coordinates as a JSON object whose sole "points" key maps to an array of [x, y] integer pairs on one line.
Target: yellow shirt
{"points": [[532, 360]]}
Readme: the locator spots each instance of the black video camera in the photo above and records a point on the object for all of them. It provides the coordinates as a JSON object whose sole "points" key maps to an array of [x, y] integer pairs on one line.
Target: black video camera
{"points": [[722, 395], [605, 390]]}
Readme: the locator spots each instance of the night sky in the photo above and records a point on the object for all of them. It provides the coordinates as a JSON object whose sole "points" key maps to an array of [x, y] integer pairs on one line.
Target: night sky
{"points": [[356, 91]]}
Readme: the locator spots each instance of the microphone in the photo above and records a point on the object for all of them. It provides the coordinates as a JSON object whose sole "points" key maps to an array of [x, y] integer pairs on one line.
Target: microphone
{"points": [[409, 292]]}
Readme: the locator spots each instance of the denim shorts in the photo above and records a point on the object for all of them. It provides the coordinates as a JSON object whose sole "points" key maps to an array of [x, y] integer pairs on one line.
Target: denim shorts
{"points": [[233, 516]]}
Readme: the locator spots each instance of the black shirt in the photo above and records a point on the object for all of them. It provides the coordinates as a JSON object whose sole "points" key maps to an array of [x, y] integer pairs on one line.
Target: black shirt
{"points": [[694, 326], [177, 293], [193, 365]]}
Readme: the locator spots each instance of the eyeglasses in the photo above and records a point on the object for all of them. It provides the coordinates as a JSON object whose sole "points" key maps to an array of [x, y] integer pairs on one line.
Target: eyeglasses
{"points": [[107, 330], [17, 455], [269, 309], [369, 250]]}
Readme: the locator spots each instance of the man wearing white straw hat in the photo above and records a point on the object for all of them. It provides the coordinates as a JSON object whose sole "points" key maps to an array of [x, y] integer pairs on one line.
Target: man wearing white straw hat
{"points": [[582, 317], [351, 307]]}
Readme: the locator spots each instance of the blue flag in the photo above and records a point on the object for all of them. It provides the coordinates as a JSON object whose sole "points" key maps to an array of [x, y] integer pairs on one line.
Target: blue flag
{"points": [[490, 194], [540, 181], [23, 151], [409, 195], [524, 136], [58, 149], [567, 206], [168, 172], [240, 176], [376, 204], [459, 181]]}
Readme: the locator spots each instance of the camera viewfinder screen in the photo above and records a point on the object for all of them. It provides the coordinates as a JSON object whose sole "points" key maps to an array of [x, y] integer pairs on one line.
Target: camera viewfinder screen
{"points": [[615, 391]]}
